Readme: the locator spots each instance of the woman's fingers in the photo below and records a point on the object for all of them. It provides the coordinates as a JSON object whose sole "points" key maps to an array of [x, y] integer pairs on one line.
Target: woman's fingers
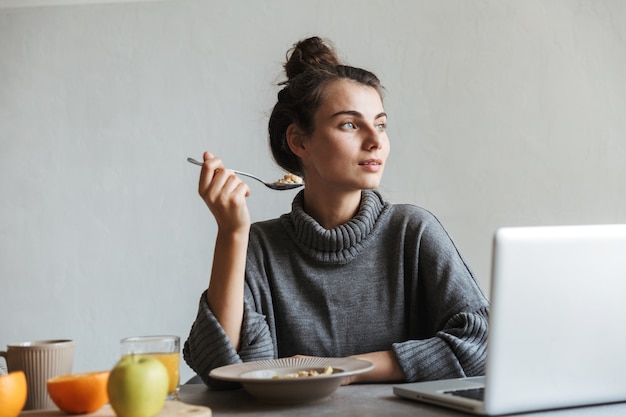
{"points": [[224, 193], [210, 166]]}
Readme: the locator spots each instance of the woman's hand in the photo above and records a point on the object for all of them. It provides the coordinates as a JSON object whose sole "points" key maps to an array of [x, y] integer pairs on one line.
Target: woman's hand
{"points": [[225, 195]]}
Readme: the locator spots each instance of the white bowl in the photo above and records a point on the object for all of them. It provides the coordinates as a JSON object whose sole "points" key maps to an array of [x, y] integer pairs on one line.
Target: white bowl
{"points": [[266, 379]]}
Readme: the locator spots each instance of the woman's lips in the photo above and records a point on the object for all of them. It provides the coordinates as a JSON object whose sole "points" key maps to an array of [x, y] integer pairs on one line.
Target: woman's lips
{"points": [[372, 165], [371, 162]]}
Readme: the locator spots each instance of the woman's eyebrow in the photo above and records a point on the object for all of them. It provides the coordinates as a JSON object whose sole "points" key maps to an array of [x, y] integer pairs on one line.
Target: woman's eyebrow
{"points": [[356, 114]]}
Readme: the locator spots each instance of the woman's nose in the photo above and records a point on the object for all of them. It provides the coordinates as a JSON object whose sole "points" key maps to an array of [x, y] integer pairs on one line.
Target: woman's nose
{"points": [[373, 138]]}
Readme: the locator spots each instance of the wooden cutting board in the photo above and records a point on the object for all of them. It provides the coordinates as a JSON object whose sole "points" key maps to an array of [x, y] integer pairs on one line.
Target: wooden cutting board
{"points": [[170, 409]]}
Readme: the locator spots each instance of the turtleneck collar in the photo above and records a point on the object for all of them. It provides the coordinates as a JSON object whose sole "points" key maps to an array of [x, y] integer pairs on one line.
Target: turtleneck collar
{"points": [[342, 243]]}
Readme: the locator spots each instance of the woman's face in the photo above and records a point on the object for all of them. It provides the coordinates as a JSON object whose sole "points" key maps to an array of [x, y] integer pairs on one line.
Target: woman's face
{"points": [[349, 146]]}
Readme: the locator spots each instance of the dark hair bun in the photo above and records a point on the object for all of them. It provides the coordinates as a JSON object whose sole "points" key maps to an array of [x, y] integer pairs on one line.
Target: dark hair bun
{"points": [[310, 52]]}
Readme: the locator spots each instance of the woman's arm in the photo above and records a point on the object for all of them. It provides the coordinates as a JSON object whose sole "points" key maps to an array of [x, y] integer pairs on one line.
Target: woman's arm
{"points": [[225, 294], [386, 368], [458, 350], [225, 195]]}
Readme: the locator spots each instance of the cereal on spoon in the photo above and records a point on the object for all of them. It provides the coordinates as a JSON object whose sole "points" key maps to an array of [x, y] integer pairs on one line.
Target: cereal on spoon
{"points": [[289, 178]]}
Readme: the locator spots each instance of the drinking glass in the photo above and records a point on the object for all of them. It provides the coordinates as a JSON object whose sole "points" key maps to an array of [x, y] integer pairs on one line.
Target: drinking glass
{"points": [[164, 348]]}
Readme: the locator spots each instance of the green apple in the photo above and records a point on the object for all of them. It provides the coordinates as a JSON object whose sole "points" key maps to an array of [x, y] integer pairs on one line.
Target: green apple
{"points": [[138, 386]]}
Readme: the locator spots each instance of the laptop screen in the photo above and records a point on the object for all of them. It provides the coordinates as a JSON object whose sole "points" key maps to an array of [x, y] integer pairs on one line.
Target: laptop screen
{"points": [[558, 305]]}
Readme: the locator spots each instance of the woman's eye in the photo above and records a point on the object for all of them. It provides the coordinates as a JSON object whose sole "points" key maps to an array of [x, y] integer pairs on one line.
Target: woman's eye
{"points": [[348, 125], [381, 127]]}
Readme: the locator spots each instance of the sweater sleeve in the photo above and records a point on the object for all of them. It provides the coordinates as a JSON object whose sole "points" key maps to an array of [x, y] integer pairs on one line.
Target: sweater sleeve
{"points": [[457, 350], [208, 346], [448, 325]]}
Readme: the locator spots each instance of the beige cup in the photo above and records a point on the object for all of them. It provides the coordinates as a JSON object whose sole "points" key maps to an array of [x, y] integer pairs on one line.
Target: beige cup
{"points": [[40, 360]]}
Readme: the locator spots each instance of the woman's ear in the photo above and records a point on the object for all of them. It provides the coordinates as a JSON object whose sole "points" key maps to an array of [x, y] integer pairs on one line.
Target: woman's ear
{"points": [[296, 139]]}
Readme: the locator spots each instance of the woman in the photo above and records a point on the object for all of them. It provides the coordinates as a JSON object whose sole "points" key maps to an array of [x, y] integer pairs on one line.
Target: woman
{"points": [[344, 273]]}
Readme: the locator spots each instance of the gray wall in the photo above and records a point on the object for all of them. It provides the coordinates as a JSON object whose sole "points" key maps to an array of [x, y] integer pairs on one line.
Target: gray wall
{"points": [[501, 113]]}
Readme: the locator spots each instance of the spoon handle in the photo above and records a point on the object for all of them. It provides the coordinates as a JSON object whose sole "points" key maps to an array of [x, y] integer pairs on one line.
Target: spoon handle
{"points": [[193, 161], [245, 174]]}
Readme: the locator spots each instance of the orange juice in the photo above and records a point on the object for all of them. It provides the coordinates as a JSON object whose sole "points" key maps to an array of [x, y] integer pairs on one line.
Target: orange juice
{"points": [[171, 362]]}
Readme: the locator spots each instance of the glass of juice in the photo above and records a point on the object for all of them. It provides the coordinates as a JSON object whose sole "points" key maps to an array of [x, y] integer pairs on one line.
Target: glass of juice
{"points": [[164, 348]]}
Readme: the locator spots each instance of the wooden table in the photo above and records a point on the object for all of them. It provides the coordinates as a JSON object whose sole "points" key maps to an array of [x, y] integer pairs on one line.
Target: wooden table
{"points": [[353, 400]]}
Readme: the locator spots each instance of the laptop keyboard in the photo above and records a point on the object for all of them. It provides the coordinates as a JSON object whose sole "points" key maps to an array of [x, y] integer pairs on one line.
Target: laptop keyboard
{"points": [[473, 393]]}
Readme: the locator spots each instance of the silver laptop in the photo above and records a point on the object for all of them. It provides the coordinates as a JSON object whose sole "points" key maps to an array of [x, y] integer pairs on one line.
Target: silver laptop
{"points": [[556, 325]]}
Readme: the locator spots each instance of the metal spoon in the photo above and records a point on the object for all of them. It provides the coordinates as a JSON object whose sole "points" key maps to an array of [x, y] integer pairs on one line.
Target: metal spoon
{"points": [[273, 185]]}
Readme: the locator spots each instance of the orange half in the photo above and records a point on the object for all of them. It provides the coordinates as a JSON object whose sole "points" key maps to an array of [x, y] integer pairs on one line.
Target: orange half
{"points": [[79, 393]]}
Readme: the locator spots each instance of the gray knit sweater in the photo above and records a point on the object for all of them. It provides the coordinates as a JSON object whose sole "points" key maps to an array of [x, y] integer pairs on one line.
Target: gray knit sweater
{"points": [[391, 278]]}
